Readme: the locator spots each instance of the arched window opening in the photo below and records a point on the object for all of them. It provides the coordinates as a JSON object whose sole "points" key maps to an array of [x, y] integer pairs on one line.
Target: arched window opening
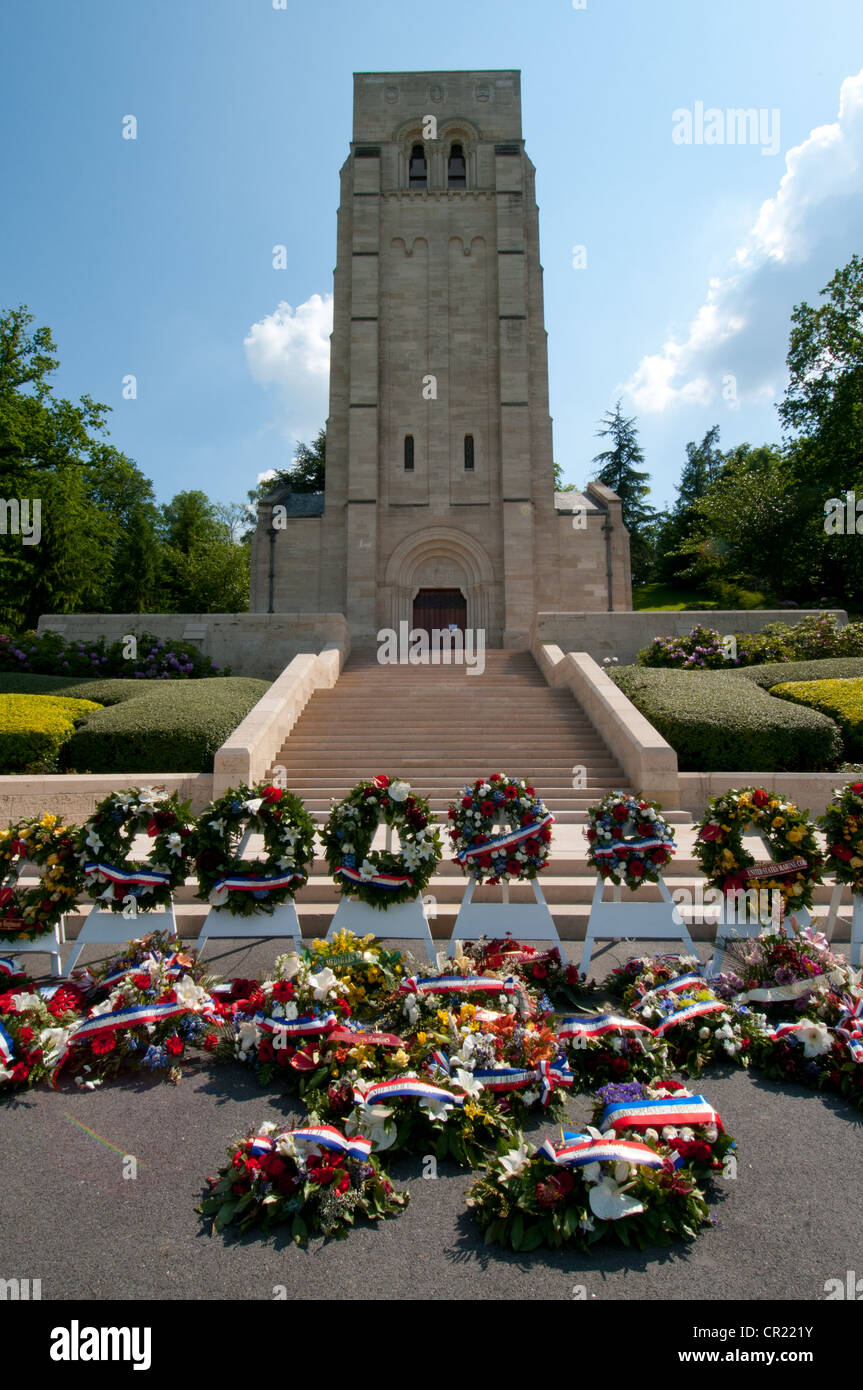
{"points": [[468, 453], [418, 172], [457, 169], [409, 453]]}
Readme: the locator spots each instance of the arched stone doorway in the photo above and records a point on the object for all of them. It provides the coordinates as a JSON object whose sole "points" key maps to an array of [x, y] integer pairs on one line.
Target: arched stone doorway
{"points": [[442, 559], [441, 609]]}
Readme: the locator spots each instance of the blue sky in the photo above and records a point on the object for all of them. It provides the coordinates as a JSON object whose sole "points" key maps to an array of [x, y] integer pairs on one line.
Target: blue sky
{"points": [[153, 257]]}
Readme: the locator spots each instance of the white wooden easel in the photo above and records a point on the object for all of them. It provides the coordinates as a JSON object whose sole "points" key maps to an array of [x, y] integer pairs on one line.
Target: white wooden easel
{"points": [[523, 921], [636, 921], [735, 930], [856, 920], [404, 921], [101, 927], [221, 922], [49, 944]]}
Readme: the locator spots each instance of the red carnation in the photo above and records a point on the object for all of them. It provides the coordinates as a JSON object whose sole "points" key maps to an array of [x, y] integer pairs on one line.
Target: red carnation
{"points": [[467, 802], [659, 856], [540, 971], [174, 1045], [511, 792], [142, 981], [530, 791], [272, 794], [451, 813], [842, 852], [513, 866], [20, 1072], [636, 868], [591, 835], [857, 788], [620, 813], [495, 777], [102, 1043], [266, 1051], [211, 1042], [487, 807], [760, 798], [570, 974]]}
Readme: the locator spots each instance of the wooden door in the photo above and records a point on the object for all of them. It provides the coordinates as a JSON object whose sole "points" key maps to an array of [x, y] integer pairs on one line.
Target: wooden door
{"points": [[439, 608]]}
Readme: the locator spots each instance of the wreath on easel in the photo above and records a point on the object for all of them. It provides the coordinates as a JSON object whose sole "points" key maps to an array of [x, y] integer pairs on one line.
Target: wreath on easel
{"points": [[629, 841], [381, 878], [842, 824], [28, 913], [104, 845], [246, 886], [729, 866], [482, 849]]}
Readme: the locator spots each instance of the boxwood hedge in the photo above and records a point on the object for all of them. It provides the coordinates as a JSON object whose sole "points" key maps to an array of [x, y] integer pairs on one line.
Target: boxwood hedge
{"points": [[149, 726], [717, 722], [34, 728], [841, 699], [827, 668]]}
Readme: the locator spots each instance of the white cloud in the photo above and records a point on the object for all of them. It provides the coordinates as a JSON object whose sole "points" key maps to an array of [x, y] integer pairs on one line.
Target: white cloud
{"points": [[801, 235], [290, 350]]}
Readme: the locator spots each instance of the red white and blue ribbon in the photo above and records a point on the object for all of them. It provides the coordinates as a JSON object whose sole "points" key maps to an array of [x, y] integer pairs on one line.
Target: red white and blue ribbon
{"points": [[405, 1088], [132, 1017], [599, 1025], [305, 1027], [852, 1012], [239, 883], [377, 880], [503, 1079], [513, 837], [656, 1114], [457, 984], [693, 1011], [150, 878], [578, 1150], [785, 1030], [675, 986], [321, 1136], [440, 1059], [633, 846], [7, 1045], [853, 1042], [9, 967]]}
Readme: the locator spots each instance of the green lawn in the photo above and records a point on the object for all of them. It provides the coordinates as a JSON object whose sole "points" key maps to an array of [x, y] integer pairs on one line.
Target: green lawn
{"points": [[662, 598]]}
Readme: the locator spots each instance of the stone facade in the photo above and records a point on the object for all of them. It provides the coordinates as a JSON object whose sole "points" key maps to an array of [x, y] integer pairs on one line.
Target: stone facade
{"points": [[439, 443]]}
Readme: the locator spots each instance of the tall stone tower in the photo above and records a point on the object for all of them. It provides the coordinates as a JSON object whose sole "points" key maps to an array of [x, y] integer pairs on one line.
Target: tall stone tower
{"points": [[440, 504]]}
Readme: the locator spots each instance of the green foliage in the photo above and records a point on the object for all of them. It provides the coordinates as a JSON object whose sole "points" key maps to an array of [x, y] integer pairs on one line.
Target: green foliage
{"points": [[47, 653], [771, 673], [163, 726], [841, 699], [811, 638], [619, 470], [34, 728], [717, 722]]}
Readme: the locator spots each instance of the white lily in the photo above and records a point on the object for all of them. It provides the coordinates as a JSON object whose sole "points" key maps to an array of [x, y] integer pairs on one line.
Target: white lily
{"points": [[815, 1037], [267, 1127], [372, 1121], [189, 994], [322, 983], [609, 1202], [467, 1082], [53, 1044], [285, 1145], [437, 1110], [514, 1162], [254, 805], [26, 1003], [288, 966]]}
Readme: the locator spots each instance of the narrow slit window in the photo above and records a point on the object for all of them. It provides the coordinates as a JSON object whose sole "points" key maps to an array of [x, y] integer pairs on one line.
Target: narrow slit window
{"points": [[409, 453], [468, 453], [457, 169], [418, 174]]}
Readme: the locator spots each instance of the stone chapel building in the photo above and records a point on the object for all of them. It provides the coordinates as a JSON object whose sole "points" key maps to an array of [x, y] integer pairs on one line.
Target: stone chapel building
{"points": [[440, 504]]}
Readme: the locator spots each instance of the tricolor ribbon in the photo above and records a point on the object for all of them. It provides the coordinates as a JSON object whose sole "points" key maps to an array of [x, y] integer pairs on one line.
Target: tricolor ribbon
{"points": [[305, 1027], [599, 1025], [708, 1006], [131, 1017], [620, 847], [405, 1088], [9, 967], [239, 883], [322, 1136], [578, 1150], [655, 1114], [513, 837], [149, 878], [502, 1079], [681, 982], [7, 1045], [457, 984], [377, 880], [440, 1059]]}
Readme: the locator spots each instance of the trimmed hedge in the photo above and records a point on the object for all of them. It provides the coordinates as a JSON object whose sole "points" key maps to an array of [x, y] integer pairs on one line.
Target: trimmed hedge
{"points": [[149, 726], [717, 722], [34, 728], [841, 699], [781, 672], [174, 726]]}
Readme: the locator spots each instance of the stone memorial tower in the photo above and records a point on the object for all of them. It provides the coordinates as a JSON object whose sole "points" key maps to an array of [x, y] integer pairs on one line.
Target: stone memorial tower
{"points": [[440, 504]]}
